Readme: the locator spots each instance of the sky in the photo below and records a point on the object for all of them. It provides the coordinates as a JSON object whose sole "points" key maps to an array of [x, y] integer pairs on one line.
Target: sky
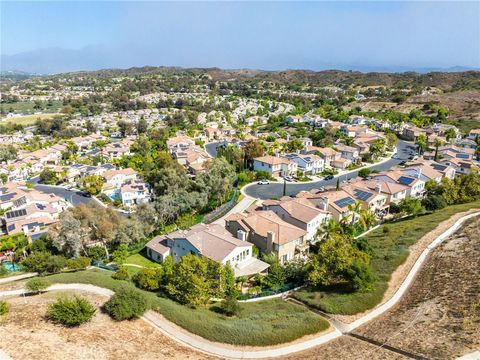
{"points": [[229, 34]]}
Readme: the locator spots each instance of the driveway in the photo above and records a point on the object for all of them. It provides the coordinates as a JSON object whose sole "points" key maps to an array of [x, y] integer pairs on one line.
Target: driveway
{"points": [[275, 190]]}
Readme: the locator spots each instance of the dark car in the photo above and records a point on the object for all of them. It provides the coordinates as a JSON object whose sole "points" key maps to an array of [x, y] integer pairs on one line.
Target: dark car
{"points": [[403, 163], [328, 177]]}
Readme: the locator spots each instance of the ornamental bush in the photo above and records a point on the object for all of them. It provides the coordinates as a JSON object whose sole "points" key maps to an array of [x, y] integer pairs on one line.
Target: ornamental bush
{"points": [[71, 311], [121, 273], [37, 285], [4, 307], [127, 303]]}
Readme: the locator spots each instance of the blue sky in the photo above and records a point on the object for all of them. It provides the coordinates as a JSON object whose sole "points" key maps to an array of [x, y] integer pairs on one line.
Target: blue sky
{"points": [[262, 35]]}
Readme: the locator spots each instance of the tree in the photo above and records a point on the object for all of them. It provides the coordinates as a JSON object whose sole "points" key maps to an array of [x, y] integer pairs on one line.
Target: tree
{"points": [[71, 311], [142, 126], [127, 303], [335, 256], [360, 275], [230, 286], [48, 176], [188, 283], [93, 184], [422, 143], [43, 262], [218, 179], [149, 278], [411, 206], [450, 134], [37, 285], [364, 173], [66, 235], [377, 148], [252, 149], [7, 152], [120, 254], [121, 273], [434, 202], [438, 143], [124, 127]]}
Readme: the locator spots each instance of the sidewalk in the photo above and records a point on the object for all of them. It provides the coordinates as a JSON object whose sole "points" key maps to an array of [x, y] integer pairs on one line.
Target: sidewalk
{"points": [[240, 207]]}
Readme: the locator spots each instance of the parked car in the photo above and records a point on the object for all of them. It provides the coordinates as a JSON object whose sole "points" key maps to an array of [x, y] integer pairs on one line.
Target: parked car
{"points": [[263, 182], [288, 178], [328, 177], [321, 189]]}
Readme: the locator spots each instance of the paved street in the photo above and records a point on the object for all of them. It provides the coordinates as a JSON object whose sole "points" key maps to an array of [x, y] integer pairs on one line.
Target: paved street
{"points": [[275, 190], [74, 197], [211, 148]]}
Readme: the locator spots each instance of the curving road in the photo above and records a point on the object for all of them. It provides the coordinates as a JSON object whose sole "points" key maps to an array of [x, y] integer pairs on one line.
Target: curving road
{"points": [[275, 190]]}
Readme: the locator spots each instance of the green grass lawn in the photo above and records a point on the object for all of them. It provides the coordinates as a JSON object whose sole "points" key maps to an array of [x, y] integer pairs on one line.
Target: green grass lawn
{"points": [[139, 259], [27, 107], [391, 250], [262, 323], [29, 119]]}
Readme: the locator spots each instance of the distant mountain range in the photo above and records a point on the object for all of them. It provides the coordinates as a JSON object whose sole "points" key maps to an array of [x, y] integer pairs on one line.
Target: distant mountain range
{"points": [[59, 60]]}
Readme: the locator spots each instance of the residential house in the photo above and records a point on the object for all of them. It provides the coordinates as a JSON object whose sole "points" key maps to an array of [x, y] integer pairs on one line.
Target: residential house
{"points": [[308, 164], [299, 212], [212, 241], [274, 165], [270, 234]]}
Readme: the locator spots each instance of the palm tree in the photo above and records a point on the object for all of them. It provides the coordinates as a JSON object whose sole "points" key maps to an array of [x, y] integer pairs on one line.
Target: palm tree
{"points": [[331, 228], [354, 209], [366, 219], [438, 143]]}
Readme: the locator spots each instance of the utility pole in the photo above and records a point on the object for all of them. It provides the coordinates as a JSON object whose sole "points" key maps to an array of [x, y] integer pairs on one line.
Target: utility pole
{"points": [[284, 187]]}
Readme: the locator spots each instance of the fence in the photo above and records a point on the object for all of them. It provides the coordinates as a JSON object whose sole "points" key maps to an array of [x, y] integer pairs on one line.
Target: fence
{"points": [[222, 210]]}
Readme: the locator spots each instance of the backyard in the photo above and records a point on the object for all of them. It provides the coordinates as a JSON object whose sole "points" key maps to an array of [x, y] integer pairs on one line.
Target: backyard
{"points": [[390, 243], [264, 323]]}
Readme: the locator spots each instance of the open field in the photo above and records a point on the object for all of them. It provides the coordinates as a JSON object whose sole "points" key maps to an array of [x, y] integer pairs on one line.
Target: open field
{"points": [[391, 249], [27, 107], [28, 119], [31, 336], [439, 317], [262, 323]]}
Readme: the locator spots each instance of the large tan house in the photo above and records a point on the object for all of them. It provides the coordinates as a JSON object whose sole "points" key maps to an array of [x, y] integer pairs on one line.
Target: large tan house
{"points": [[270, 234]]}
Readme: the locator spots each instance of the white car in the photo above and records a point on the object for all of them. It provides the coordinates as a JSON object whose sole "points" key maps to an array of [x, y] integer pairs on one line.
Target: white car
{"points": [[263, 182], [288, 178]]}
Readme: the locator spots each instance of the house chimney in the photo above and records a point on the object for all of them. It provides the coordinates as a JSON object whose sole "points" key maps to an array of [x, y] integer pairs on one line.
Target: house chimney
{"points": [[324, 204], [242, 235], [419, 172], [270, 240], [378, 188]]}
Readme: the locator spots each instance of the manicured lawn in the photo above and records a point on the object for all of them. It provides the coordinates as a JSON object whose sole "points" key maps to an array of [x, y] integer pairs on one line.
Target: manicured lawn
{"points": [[259, 324], [139, 259], [390, 251], [27, 107], [29, 119]]}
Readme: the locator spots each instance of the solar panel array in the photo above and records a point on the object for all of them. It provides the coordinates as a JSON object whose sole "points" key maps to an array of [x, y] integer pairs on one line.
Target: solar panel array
{"points": [[462, 156], [405, 180], [344, 202], [362, 195], [16, 213]]}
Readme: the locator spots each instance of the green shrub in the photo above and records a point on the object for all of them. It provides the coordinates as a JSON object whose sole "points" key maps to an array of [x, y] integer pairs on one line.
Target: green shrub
{"points": [[121, 273], [78, 263], [230, 306], [44, 262], [4, 307], [127, 303], [3, 271], [71, 311], [97, 252], [148, 278], [37, 285]]}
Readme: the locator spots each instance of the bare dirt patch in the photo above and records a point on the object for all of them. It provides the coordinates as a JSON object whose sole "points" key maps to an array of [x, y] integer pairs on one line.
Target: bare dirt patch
{"points": [[26, 334], [346, 348], [439, 316]]}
